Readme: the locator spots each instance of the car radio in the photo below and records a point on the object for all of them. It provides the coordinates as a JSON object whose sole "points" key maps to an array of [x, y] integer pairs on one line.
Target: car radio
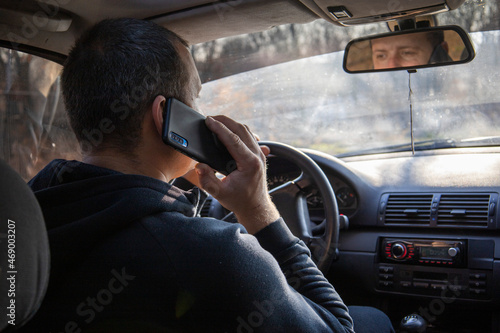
{"points": [[433, 252]]}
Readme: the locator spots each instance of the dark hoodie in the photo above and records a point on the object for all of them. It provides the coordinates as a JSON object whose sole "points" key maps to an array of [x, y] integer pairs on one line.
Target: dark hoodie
{"points": [[130, 254]]}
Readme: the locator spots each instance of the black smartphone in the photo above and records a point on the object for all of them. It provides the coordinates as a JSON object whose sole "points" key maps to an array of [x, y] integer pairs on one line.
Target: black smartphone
{"points": [[185, 130]]}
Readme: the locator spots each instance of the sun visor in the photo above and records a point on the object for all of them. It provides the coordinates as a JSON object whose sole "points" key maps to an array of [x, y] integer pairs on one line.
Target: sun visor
{"points": [[346, 13]]}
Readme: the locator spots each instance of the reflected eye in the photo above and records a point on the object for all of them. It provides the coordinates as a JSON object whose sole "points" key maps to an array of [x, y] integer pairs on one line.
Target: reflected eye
{"points": [[380, 56], [408, 54]]}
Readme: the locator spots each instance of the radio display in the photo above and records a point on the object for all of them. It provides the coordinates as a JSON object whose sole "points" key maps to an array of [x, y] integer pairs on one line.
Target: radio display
{"points": [[434, 252]]}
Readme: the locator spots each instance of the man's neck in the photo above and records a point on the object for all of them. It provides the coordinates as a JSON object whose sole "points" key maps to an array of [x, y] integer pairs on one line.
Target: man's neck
{"points": [[126, 164]]}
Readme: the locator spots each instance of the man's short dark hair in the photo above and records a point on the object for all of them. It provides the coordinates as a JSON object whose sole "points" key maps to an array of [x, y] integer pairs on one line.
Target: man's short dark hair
{"points": [[113, 73]]}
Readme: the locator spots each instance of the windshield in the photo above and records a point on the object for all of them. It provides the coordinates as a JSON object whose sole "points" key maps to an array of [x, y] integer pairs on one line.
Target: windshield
{"points": [[312, 103]]}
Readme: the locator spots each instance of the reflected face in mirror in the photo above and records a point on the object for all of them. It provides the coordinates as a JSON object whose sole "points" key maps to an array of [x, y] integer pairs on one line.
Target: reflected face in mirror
{"points": [[404, 50], [419, 48]]}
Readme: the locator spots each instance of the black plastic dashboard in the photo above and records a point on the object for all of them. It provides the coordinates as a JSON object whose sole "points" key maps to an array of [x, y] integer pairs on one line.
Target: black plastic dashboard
{"points": [[425, 231]]}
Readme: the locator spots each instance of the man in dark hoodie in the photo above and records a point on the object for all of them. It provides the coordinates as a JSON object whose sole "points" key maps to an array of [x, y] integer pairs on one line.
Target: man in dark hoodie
{"points": [[129, 252]]}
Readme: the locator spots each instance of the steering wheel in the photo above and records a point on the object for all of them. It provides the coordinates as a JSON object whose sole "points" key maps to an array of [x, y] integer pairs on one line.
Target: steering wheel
{"points": [[290, 199]]}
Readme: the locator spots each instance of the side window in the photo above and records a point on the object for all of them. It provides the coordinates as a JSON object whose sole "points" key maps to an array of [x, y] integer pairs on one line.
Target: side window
{"points": [[33, 126]]}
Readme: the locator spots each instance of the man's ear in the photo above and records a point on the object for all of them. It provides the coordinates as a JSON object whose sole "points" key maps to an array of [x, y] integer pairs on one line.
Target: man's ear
{"points": [[157, 112]]}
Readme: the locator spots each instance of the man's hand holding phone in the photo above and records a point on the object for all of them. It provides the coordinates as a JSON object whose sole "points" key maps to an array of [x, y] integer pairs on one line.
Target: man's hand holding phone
{"points": [[244, 191]]}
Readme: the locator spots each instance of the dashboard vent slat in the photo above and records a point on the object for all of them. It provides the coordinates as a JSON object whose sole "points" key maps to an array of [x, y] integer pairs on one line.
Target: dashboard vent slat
{"points": [[463, 210], [408, 209]]}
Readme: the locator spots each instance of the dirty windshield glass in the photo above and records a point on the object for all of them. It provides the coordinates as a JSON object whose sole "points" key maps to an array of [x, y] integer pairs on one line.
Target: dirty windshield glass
{"points": [[310, 102]]}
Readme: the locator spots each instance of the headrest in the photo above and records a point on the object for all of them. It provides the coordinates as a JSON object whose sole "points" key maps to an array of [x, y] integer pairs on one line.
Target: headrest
{"points": [[24, 251]]}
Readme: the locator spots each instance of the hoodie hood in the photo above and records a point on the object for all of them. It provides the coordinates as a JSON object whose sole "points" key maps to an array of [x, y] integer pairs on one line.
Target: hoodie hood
{"points": [[84, 204]]}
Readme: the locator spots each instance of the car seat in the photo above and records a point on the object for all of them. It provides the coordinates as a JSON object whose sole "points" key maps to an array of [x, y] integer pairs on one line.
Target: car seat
{"points": [[24, 251]]}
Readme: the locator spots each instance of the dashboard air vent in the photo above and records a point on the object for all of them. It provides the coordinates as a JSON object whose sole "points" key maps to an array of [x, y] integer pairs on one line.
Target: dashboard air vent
{"points": [[463, 210], [408, 209]]}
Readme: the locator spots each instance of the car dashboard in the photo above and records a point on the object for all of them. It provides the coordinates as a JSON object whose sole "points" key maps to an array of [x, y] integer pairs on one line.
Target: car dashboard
{"points": [[422, 231]]}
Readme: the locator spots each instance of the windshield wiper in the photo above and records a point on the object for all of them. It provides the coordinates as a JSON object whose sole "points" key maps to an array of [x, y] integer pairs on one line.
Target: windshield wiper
{"points": [[480, 141], [428, 145]]}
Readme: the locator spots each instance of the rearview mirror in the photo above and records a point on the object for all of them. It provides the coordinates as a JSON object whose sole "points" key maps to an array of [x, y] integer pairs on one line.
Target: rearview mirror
{"points": [[408, 50]]}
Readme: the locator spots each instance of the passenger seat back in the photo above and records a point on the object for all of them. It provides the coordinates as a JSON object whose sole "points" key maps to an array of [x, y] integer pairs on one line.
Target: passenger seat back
{"points": [[24, 251]]}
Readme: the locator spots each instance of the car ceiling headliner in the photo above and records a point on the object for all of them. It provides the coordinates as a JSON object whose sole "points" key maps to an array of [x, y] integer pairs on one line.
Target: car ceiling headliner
{"points": [[195, 20]]}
